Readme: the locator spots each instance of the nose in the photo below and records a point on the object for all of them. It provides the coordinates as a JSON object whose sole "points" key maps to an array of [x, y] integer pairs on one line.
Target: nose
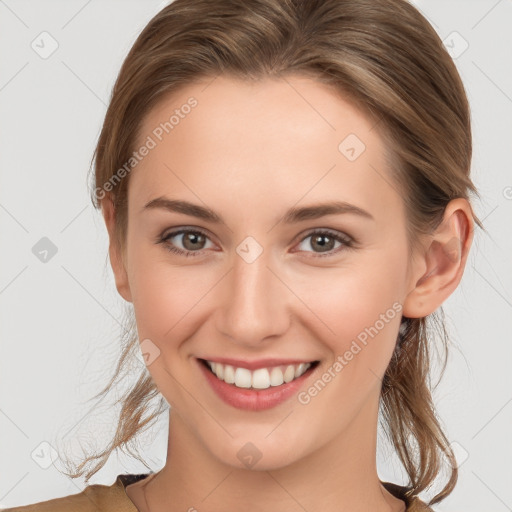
{"points": [[254, 303]]}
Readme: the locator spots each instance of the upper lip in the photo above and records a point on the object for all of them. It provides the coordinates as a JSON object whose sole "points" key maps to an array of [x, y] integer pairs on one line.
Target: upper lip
{"points": [[255, 364]]}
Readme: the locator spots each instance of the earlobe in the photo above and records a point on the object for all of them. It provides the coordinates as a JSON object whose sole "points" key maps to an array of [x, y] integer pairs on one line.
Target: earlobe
{"points": [[116, 260], [444, 258]]}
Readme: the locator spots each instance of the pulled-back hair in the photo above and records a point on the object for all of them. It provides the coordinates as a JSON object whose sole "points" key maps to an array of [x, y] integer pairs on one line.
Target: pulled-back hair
{"points": [[385, 58]]}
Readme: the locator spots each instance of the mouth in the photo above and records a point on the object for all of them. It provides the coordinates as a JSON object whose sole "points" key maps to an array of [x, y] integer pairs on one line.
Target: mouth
{"points": [[260, 388], [259, 378]]}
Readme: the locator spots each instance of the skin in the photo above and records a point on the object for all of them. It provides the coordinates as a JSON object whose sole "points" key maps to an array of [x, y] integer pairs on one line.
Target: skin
{"points": [[251, 151]]}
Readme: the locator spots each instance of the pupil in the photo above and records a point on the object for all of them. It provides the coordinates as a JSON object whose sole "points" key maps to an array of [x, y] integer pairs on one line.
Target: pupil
{"points": [[193, 238], [325, 245]]}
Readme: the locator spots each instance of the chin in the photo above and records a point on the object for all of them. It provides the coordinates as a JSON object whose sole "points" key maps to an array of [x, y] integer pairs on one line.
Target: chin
{"points": [[260, 454]]}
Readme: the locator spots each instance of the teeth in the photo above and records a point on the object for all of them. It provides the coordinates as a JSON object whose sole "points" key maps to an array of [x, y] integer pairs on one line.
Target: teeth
{"points": [[289, 374], [276, 377], [229, 374], [262, 378], [242, 378]]}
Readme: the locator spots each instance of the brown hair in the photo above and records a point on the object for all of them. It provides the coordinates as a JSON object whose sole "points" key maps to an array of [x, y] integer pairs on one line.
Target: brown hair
{"points": [[387, 59]]}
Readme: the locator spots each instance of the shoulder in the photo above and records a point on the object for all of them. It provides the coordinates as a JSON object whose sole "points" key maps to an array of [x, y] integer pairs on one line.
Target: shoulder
{"points": [[94, 498]]}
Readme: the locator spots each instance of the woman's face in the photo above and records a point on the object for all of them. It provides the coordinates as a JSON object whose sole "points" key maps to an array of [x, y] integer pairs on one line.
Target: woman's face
{"points": [[272, 274]]}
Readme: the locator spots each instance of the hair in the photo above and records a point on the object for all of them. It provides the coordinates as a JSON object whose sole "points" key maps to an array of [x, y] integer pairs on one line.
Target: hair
{"points": [[383, 56]]}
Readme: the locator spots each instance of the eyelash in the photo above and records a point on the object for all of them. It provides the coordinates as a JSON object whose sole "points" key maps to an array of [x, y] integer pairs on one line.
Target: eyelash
{"points": [[347, 241]]}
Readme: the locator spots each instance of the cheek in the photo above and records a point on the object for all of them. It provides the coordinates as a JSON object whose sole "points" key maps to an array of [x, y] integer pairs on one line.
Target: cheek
{"points": [[163, 299], [358, 310], [166, 298]]}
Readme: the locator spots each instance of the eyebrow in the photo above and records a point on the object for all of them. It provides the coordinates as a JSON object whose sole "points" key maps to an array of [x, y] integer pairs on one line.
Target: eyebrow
{"points": [[292, 216]]}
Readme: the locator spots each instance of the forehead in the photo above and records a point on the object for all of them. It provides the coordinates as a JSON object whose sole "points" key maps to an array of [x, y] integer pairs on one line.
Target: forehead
{"points": [[291, 137]]}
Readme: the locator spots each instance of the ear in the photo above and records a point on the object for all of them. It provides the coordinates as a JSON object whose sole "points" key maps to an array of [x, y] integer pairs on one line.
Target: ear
{"points": [[115, 253], [441, 266]]}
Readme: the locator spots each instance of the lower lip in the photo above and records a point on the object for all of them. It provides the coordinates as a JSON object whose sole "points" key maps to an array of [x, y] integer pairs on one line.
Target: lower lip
{"points": [[251, 399]]}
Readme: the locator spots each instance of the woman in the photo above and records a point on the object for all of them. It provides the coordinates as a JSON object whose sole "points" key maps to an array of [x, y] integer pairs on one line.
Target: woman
{"points": [[286, 188]]}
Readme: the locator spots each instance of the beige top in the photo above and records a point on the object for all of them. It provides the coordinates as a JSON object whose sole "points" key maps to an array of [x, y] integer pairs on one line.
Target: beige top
{"points": [[113, 498]]}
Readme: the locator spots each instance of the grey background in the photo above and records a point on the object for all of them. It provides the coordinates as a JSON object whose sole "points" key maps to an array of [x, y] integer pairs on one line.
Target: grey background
{"points": [[61, 319]]}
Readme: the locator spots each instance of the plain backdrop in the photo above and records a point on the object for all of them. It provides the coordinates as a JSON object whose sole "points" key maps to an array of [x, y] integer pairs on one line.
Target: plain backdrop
{"points": [[61, 318]]}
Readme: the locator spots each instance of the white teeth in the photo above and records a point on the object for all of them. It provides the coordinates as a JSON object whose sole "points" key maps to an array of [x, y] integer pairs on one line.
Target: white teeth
{"points": [[289, 374], [276, 377], [301, 368], [242, 378], [262, 378], [229, 374]]}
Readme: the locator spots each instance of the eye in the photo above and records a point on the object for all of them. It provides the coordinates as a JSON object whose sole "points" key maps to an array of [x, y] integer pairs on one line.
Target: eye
{"points": [[192, 241], [325, 240]]}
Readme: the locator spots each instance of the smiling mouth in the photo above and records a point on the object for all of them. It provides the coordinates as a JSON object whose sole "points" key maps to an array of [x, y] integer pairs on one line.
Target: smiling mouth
{"points": [[262, 378]]}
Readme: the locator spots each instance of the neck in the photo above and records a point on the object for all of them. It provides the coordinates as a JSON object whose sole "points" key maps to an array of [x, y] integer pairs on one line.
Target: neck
{"points": [[339, 477]]}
